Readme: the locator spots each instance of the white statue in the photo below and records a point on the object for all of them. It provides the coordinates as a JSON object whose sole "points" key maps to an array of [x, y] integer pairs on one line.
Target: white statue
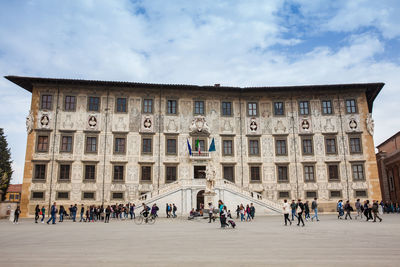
{"points": [[370, 124], [210, 179], [29, 122]]}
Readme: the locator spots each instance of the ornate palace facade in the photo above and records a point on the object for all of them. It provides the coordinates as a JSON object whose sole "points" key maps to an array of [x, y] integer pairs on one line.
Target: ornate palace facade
{"points": [[101, 142]]}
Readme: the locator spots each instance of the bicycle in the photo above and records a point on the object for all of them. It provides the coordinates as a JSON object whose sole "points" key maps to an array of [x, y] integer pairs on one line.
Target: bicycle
{"points": [[150, 219]]}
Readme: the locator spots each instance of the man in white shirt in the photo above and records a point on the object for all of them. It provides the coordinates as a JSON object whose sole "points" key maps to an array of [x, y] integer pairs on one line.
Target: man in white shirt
{"points": [[210, 212], [286, 209]]}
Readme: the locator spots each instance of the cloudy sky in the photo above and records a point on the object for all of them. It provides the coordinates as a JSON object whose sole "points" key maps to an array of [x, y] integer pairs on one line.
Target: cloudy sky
{"points": [[238, 43]]}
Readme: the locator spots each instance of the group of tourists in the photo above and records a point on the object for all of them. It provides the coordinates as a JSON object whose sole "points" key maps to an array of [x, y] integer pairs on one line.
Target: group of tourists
{"points": [[245, 213], [365, 208], [299, 210]]}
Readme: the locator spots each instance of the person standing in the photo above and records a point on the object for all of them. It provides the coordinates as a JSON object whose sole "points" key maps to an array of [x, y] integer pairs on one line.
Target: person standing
{"points": [[358, 209], [293, 207], [348, 209], [241, 213], [306, 211], [286, 208], [37, 211], [375, 208], [340, 209], [221, 213], [224, 216], [82, 212], [74, 210], [252, 211], [43, 213], [132, 210], [248, 212], [16, 215], [210, 212], [108, 211], [314, 207], [299, 211], [237, 212], [53, 213], [61, 214]]}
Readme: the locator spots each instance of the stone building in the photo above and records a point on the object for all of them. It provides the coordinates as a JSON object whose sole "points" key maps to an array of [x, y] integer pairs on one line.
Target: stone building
{"points": [[13, 193], [388, 158], [101, 142]]}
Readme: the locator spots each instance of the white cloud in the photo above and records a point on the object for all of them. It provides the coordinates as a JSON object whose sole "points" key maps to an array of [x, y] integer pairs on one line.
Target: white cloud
{"points": [[233, 43]]}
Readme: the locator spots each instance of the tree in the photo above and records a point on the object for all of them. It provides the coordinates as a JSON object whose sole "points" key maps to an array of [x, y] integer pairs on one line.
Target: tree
{"points": [[5, 164]]}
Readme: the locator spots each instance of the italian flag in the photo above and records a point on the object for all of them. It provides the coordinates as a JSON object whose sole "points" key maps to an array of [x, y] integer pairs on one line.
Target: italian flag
{"points": [[198, 145]]}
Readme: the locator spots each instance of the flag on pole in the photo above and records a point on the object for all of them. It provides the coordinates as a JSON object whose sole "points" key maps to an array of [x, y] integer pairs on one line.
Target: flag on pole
{"points": [[189, 147], [198, 146], [212, 146]]}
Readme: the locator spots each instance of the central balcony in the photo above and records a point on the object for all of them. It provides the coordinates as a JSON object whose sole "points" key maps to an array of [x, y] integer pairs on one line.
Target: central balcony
{"points": [[202, 155]]}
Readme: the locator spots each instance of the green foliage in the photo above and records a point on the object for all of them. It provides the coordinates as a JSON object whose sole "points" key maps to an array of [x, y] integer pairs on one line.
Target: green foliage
{"points": [[5, 164]]}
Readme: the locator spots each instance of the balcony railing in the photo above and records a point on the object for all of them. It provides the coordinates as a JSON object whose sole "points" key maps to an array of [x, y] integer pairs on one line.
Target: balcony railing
{"points": [[200, 155]]}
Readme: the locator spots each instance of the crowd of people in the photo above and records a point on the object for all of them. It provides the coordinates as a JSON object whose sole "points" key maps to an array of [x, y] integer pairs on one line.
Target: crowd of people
{"points": [[366, 208], [299, 210]]}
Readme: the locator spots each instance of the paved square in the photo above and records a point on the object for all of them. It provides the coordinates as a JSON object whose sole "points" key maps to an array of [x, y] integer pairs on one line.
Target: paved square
{"points": [[178, 242]]}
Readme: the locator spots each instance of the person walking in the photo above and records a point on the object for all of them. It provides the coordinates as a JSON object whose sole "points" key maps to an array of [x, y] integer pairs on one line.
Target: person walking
{"points": [[367, 210], [37, 211], [358, 209], [174, 209], [108, 212], [167, 210], [210, 212], [252, 211], [293, 207], [299, 211], [16, 215], [61, 214], [242, 213], [132, 211], [306, 211], [286, 208], [237, 212], [224, 216], [43, 212], [248, 212], [314, 207], [53, 213], [375, 208], [348, 209], [222, 213], [74, 210]]}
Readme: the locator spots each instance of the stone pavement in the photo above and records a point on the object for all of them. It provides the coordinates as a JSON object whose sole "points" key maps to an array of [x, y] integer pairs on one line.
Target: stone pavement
{"points": [[178, 242]]}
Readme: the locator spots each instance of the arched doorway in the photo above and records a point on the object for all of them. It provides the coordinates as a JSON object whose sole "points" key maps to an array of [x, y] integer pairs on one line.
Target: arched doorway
{"points": [[200, 199]]}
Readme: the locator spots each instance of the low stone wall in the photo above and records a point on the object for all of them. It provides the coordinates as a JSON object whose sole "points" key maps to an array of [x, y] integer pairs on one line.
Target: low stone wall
{"points": [[6, 208]]}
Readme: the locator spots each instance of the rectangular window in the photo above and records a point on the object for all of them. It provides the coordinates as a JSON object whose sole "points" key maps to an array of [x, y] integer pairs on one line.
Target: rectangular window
{"points": [[355, 145], [147, 105], [91, 144], [69, 103], [66, 143], [37, 195], [47, 101], [335, 194], [90, 172], [121, 105], [94, 103], [229, 173], [255, 175], [281, 147], [226, 108], [304, 108], [252, 108], [307, 145], [171, 108], [43, 143], [227, 147], [88, 196], [171, 146], [361, 193], [170, 175], [65, 172], [62, 195], [351, 106], [279, 108], [147, 145], [330, 145], [199, 172], [327, 107], [284, 194], [309, 173], [283, 174], [119, 147], [118, 173], [199, 107], [40, 172], [254, 147], [311, 194], [358, 172], [333, 172], [146, 174], [118, 195]]}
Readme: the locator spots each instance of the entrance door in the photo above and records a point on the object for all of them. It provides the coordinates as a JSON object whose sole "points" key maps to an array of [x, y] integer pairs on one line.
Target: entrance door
{"points": [[200, 199]]}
